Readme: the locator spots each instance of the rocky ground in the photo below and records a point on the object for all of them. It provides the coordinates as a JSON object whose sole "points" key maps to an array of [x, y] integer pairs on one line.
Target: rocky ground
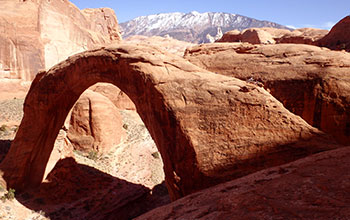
{"points": [[128, 180]]}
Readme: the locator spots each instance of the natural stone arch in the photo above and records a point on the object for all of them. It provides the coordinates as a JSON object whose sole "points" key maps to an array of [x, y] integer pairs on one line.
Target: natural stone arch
{"points": [[200, 121]]}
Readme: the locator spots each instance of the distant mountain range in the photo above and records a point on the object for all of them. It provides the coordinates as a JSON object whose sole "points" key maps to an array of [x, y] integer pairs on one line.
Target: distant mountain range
{"points": [[193, 27]]}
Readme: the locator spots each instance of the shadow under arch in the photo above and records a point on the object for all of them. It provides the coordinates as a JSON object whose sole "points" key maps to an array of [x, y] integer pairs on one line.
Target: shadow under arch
{"points": [[194, 116]]}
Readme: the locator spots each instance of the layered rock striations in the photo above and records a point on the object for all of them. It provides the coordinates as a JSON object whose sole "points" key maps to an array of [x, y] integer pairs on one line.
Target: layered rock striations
{"points": [[208, 128], [35, 35], [310, 81]]}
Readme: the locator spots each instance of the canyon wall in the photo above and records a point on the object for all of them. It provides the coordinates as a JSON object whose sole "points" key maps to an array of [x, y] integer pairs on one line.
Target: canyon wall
{"points": [[37, 34]]}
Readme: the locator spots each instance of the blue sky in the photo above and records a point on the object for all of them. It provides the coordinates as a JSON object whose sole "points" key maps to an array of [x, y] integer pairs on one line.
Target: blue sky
{"points": [[296, 13]]}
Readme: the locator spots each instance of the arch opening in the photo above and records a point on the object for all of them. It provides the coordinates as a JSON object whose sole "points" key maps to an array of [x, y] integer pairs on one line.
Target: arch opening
{"points": [[104, 130]]}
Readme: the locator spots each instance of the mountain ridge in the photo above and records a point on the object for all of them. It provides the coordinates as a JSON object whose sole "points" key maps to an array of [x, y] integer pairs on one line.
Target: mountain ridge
{"points": [[193, 26]]}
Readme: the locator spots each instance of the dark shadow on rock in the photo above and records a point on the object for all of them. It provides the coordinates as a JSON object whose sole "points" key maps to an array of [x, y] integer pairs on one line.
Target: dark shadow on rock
{"points": [[4, 148], [76, 191]]}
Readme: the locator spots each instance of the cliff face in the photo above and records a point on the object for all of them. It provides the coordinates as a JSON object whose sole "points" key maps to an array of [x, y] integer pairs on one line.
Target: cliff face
{"points": [[35, 35]]}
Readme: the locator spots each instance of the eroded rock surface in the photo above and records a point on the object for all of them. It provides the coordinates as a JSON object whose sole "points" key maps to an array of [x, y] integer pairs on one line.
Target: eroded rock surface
{"points": [[315, 187], [209, 128], [35, 35], [310, 81]]}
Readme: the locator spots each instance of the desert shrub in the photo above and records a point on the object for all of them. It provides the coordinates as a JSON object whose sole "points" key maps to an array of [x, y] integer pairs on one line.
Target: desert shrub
{"points": [[10, 195], [93, 155], [156, 155], [125, 126], [3, 128]]}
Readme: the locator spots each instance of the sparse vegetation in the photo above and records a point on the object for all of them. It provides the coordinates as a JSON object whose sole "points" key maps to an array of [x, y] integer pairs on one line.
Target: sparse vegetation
{"points": [[156, 155], [93, 155], [125, 126], [3, 128], [10, 195]]}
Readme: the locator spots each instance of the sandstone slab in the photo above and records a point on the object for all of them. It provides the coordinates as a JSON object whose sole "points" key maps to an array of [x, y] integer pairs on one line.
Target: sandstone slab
{"points": [[315, 187], [310, 81]]}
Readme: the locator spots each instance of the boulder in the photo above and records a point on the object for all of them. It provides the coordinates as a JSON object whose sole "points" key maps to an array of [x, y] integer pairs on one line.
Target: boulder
{"points": [[95, 124], [208, 128], [310, 81], [35, 35], [315, 187], [339, 36]]}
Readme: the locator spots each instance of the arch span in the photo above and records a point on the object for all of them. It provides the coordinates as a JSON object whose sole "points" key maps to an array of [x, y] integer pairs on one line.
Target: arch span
{"points": [[200, 121]]}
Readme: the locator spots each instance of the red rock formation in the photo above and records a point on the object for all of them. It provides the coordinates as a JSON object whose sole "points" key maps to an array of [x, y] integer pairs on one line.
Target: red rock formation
{"points": [[339, 36], [254, 35], [209, 128], [95, 124], [303, 36], [315, 187], [274, 35], [115, 95], [310, 81], [35, 35]]}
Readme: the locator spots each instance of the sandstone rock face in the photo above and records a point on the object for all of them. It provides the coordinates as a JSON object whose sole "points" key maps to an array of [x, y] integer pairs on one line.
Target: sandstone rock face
{"points": [[310, 81], [274, 35], [35, 35], [115, 95], [95, 124], [315, 187], [339, 36], [208, 128]]}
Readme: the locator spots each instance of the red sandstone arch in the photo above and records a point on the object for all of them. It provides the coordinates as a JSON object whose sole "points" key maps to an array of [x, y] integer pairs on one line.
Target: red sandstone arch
{"points": [[207, 127]]}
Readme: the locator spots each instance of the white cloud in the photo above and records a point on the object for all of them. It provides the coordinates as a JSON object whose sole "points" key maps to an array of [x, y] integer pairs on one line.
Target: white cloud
{"points": [[291, 26], [328, 25]]}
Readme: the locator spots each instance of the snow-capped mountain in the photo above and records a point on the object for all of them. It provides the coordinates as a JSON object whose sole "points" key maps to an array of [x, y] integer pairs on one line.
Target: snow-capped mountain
{"points": [[193, 27]]}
